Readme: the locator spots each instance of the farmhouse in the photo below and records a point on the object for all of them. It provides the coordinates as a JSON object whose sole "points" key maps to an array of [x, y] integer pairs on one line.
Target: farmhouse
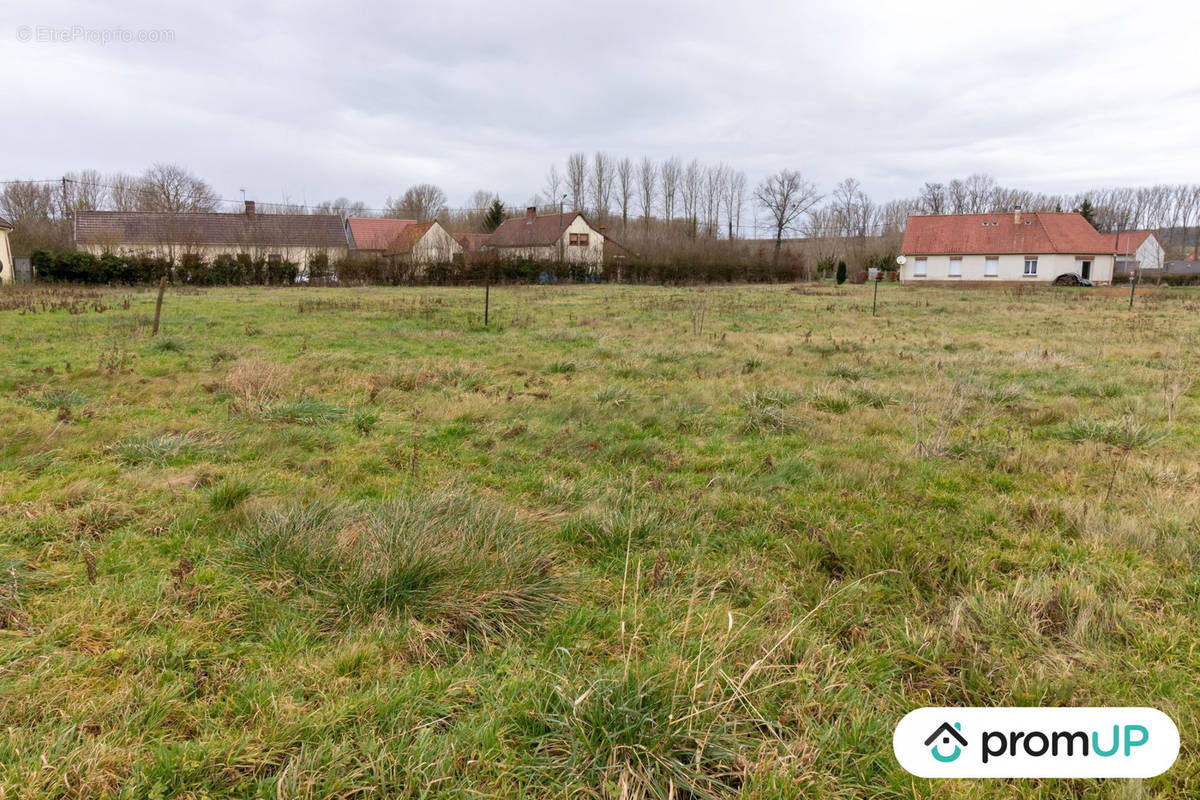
{"points": [[303, 239], [422, 244], [554, 238], [7, 272], [1010, 248], [372, 235], [1139, 250]]}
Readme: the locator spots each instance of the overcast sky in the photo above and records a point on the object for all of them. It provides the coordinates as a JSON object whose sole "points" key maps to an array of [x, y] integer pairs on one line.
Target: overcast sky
{"points": [[306, 102]]}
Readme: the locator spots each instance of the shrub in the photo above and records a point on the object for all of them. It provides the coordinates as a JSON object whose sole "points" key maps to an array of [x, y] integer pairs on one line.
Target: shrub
{"points": [[452, 559], [841, 273]]}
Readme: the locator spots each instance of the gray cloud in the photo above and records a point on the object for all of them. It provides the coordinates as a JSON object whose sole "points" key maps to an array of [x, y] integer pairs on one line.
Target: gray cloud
{"points": [[314, 101]]}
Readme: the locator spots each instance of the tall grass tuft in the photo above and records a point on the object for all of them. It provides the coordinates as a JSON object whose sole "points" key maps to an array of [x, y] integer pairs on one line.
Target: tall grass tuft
{"points": [[766, 412], [306, 411], [450, 559], [54, 399], [164, 449]]}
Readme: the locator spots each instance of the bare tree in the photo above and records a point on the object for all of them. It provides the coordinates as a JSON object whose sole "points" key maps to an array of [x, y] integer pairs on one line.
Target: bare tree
{"points": [[672, 171], [342, 207], [31, 208], [734, 198], [715, 178], [932, 199], [980, 190], [648, 187], [175, 190], [625, 188], [124, 191], [693, 179], [785, 197], [577, 171], [552, 188], [82, 191], [956, 195], [422, 202], [601, 183]]}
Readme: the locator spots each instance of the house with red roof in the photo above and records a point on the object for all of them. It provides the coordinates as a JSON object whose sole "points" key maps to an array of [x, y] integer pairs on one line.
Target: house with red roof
{"points": [[1034, 247], [372, 235], [422, 244], [1138, 250], [551, 238]]}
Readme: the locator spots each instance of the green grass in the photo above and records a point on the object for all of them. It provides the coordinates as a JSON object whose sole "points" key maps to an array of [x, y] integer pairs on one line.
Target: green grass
{"points": [[364, 546]]}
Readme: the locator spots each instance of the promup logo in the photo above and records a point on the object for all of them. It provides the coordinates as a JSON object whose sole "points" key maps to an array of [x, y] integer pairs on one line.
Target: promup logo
{"points": [[946, 732], [1036, 742]]}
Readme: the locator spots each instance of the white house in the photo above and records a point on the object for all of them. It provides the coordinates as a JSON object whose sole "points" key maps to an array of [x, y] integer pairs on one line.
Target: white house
{"points": [[423, 243], [553, 238], [7, 272], [1034, 247], [299, 238], [1138, 250]]}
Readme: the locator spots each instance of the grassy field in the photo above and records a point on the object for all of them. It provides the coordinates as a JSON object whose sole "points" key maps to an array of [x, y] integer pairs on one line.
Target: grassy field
{"points": [[624, 542]]}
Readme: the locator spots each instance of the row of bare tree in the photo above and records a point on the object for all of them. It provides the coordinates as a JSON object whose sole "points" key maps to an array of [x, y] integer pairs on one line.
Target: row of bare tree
{"points": [[657, 208]]}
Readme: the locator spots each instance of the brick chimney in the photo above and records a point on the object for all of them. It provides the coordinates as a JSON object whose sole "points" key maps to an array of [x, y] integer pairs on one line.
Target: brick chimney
{"points": [[530, 213], [1016, 215], [250, 209]]}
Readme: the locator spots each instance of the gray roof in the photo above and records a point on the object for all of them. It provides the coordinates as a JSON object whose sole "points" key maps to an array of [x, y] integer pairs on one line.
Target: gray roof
{"points": [[157, 228], [539, 231], [1182, 268]]}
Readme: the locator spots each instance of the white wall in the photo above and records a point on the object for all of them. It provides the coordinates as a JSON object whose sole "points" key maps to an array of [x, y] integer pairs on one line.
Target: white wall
{"points": [[1010, 268], [564, 252], [298, 255], [7, 271]]}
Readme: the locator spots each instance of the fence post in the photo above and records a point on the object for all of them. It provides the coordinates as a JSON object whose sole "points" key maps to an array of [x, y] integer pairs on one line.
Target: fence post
{"points": [[162, 287]]}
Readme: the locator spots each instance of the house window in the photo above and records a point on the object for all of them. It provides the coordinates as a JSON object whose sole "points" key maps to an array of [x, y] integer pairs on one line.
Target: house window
{"points": [[579, 239], [1031, 265], [991, 267], [919, 267], [956, 268]]}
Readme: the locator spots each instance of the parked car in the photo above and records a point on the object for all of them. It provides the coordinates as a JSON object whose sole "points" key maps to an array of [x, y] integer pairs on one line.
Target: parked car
{"points": [[1072, 279]]}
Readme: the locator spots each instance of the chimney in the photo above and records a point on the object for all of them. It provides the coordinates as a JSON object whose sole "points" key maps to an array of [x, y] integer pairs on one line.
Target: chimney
{"points": [[1016, 215], [249, 209], [531, 213]]}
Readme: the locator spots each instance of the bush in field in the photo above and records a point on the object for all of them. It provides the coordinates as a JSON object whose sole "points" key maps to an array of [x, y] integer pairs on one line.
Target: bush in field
{"points": [[452, 559], [841, 273]]}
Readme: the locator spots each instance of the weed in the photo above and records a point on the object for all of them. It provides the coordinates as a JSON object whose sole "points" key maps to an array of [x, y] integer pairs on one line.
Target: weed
{"points": [[449, 558], [166, 448], [305, 411], [766, 412]]}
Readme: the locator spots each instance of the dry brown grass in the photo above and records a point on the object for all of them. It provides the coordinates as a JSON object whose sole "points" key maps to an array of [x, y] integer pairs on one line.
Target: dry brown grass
{"points": [[254, 383]]}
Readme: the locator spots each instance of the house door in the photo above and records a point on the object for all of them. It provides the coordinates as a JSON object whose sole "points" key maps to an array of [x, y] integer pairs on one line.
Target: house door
{"points": [[1085, 269]]}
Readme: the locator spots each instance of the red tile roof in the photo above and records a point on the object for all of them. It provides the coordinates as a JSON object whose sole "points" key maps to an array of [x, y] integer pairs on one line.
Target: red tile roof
{"points": [[371, 233], [1038, 232], [1128, 241], [408, 237], [540, 231], [159, 228], [472, 242]]}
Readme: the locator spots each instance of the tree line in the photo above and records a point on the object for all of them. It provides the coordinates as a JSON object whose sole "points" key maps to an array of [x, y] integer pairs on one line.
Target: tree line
{"points": [[670, 211]]}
